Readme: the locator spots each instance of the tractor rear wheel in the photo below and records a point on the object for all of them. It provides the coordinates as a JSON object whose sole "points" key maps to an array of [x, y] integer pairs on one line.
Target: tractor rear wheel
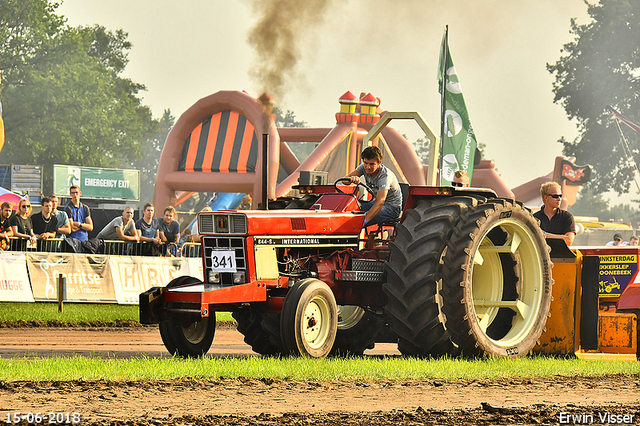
{"points": [[253, 325], [357, 330], [414, 274], [186, 335], [309, 319], [496, 290]]}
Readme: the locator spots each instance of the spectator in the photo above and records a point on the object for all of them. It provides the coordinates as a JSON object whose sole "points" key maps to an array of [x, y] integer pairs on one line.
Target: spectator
{"points": [[460, 178], [6, 231], [79, 215], [556, 223], [121, 228], [45, 224], [64, 227], [246, 203], [21, 222], [168, 227], [633, 241], [617, 241], [147, 227]]}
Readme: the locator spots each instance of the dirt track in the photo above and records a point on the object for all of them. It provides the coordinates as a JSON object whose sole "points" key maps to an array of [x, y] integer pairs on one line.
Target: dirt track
{"points": [[268, 402]]}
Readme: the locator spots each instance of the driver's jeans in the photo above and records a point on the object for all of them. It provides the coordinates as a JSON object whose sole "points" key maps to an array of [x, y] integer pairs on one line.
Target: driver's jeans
{"points": [[388, 212]]}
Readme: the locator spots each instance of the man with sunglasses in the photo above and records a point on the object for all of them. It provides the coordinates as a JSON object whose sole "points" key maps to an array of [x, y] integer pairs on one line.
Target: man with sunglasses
{"points": [[460, 179], [555, 222]]}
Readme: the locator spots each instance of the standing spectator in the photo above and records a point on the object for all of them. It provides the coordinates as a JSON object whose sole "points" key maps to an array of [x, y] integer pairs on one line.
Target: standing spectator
{"points": [[633, 241], [617, 241], [45, 224], [21, 222], [79, 215], [6, 231], [147, 227], [554, 221], [64, 227], [121, 228], [168, 227]]}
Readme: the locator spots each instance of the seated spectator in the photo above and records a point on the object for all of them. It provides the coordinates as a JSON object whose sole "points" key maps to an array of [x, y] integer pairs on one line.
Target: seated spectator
{"points": [[168, 227], [45, 224], [617, 241], [22, 225], [6, 231], [460, 178], [121, 228], [633, 241], [246, 203], [64, 227]]}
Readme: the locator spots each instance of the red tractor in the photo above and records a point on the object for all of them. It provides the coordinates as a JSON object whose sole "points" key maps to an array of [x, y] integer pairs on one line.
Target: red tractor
{"points": [[462, 273]]}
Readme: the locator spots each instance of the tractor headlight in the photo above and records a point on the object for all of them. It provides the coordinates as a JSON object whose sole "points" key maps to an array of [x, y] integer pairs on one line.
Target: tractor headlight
{"points": [[214, 277], [239, 277]]}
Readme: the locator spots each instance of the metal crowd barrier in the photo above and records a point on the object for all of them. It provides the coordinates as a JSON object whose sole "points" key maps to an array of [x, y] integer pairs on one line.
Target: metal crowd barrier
{"points": [[191, 250], [109, 247]]}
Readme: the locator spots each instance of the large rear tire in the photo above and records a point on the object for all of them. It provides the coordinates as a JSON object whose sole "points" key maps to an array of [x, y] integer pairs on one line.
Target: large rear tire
{"points": [[496, 290], [414, 273], [309, 319], [186, 335]]}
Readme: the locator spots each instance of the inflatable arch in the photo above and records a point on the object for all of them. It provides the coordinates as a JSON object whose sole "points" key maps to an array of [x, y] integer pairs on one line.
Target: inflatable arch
{"points": [[215, 146]]}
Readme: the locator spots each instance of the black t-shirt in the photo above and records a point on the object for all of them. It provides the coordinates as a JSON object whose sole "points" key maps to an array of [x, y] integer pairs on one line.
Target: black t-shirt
{"points": [[24, 225], [42, 225], [561, 222]]}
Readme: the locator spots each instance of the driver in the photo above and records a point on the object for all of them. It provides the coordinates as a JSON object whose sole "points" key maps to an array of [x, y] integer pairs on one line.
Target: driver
{"points": [[387, 204]]}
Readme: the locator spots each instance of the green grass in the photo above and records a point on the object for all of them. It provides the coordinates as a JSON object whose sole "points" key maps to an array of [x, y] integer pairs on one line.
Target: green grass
{"points": [[74, 314], [332, 369]]}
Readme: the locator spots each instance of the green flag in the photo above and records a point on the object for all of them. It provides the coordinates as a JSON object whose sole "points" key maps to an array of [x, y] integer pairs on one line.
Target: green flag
{"points": [[458, 139]]}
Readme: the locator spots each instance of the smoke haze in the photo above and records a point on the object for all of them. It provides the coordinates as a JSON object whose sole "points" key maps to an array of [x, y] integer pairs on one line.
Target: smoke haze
{"points": [[277, 39]]}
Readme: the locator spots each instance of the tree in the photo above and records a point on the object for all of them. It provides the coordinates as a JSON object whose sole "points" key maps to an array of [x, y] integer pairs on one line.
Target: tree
{"points": [[63, 97], [600, 67], [148, 163], [588, 203]]}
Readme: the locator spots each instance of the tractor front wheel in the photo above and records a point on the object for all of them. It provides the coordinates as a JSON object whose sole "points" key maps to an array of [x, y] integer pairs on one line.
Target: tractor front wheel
{"points": [[309, 319], [357, 330], [186, 335]]}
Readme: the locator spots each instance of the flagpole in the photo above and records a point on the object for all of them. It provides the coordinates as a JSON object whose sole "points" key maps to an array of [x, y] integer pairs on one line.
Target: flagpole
{"points": [[443, 72]]}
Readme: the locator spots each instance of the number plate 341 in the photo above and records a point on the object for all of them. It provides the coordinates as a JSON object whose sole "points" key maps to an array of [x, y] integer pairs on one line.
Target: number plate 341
{"points": [[223, 261]]}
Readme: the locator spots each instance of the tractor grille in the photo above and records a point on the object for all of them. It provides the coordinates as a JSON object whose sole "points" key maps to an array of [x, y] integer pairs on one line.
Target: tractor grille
{"points": [[225, 243], [298, 224], [220, 223], [205, 224]]}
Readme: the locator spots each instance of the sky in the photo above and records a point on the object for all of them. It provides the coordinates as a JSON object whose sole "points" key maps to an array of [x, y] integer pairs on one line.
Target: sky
{"points": [[184, 51]]}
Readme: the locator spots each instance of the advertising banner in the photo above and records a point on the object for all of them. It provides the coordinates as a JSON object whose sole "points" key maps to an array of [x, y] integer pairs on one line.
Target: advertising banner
{"points": [[616, 272], [14, 280], [109, 184], [134, 275], [88, 277]]}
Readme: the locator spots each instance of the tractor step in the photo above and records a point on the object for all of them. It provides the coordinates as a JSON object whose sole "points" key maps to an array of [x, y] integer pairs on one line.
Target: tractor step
{"points": [[367, 270]]}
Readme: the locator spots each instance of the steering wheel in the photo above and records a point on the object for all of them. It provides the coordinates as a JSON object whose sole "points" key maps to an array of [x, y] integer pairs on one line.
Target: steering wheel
{"points": [[344, 179]]}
